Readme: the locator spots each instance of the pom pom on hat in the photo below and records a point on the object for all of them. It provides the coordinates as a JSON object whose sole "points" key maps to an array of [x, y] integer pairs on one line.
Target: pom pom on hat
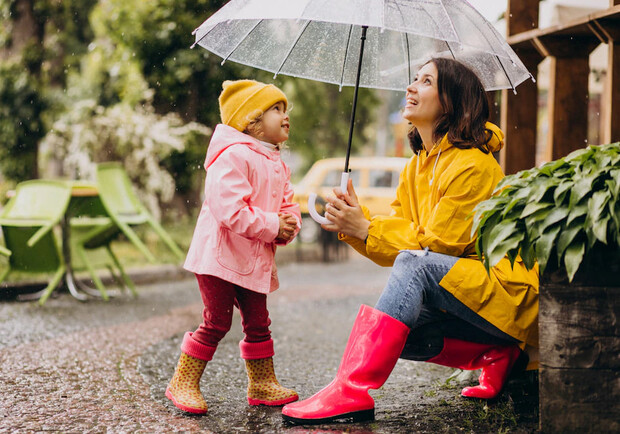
{"points": [[242, 101]]}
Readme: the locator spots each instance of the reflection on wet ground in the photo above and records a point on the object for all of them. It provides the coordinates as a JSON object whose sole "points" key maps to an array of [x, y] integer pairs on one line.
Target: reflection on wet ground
{"points": [[103, 367]]}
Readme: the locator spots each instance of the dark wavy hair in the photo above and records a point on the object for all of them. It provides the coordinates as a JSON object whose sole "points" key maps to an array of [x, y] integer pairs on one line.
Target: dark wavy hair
{"points": [[465, 106]]}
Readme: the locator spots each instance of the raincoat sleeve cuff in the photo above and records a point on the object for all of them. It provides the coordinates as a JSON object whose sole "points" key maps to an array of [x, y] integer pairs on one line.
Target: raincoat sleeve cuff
{"points": [[272, 227], [356, 243]]}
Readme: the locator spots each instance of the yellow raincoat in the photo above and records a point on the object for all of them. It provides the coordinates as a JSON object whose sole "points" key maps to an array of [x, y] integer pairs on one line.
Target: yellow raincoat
{"points": [[433, 208]]}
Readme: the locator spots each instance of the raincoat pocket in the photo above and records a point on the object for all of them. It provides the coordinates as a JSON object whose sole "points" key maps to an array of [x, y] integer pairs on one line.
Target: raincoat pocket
{"points": [[236, 252]]}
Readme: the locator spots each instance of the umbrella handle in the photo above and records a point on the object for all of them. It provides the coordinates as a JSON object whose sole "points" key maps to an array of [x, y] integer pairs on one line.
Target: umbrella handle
{"points": [[344, 180]]}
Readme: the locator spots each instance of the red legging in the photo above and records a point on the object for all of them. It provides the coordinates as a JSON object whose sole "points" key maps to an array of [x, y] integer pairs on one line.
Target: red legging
{"points": [[219, 297]]}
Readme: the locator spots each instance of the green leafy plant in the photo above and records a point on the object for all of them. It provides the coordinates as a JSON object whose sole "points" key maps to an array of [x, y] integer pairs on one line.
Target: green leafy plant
{"points": [[564, 215]]}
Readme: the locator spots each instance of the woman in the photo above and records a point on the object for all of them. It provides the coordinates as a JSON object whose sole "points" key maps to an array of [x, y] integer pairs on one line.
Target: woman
{"points": [[439, 305]]}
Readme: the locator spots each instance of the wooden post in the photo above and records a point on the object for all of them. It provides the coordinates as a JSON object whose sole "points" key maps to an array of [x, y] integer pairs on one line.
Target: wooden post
{"points": [[568, 106], [568, 92], [521, 16], [494, 106], [611, 131], [609, 32], [519, 112], [519, 117]]}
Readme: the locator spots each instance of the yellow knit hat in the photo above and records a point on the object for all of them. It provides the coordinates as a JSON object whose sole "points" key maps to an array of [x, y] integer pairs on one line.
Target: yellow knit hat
{"points": [[242, 101]]}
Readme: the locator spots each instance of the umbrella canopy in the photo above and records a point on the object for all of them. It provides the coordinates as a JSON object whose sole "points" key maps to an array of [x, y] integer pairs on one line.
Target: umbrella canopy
{"points": [[320, 40], [377, 44]]}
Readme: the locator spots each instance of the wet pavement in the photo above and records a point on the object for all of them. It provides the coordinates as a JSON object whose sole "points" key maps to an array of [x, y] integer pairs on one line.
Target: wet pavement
{"points": [[103, 367]]}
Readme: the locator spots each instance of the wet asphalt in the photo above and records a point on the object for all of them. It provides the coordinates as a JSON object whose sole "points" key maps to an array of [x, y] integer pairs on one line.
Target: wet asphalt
{"points": [[72, 366]]}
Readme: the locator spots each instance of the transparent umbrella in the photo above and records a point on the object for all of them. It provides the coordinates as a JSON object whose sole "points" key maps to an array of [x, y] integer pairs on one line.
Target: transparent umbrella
{"points": [[362, 43]]}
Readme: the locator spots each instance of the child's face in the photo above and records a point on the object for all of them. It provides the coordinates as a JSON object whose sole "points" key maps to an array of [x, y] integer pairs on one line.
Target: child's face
{"points": [[274, 125]]}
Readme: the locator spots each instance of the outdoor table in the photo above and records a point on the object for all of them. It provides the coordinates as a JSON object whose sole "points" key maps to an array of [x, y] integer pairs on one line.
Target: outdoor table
{"points": [[84, 202]]}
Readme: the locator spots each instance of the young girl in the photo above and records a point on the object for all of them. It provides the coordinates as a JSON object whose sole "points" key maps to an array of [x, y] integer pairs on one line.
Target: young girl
{"points": [[247, 211]]}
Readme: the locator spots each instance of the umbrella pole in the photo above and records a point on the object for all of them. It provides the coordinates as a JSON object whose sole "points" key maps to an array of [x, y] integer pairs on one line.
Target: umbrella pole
{"points": [[357, 85]]}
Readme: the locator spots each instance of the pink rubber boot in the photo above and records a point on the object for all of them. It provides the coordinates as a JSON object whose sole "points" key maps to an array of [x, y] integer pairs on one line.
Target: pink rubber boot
{"points": [[374, 346], [496, 362]]}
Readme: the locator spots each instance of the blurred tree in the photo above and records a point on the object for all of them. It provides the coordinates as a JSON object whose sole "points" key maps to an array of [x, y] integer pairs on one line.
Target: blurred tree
{"points": [[102, 53], [159, 33], [21, 125], [41, 41]]}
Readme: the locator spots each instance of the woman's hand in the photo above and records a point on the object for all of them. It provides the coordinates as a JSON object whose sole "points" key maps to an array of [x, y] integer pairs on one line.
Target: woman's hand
{"points": [[345, 214]]}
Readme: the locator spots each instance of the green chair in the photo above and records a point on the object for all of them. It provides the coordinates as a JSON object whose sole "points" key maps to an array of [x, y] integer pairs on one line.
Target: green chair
{"points": [[126, 210], [91, 239], [28, 223], [4, 251]]}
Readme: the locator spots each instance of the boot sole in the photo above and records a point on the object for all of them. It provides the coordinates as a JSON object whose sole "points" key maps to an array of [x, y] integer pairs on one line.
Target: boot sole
{"points": [[183, 407], [354, 416], [252, 401]]}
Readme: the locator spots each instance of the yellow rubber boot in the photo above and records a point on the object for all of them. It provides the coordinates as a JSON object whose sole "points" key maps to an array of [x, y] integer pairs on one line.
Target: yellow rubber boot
{"points": [[263, 387], [184, 388]]}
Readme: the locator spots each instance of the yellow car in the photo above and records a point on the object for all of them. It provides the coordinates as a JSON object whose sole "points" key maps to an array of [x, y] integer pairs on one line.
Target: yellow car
{"points": [[374, 178]]}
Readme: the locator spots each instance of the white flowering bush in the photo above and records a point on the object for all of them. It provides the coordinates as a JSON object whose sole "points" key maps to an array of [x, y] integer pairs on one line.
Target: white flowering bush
{"points": [[136, 136]]}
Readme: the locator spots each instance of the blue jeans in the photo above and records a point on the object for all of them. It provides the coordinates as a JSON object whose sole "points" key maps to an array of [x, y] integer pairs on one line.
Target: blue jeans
{"points": [[413, 296]]}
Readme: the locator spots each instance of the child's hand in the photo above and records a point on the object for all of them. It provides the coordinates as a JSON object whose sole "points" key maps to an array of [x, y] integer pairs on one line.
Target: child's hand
{"points": [[288, 224]]}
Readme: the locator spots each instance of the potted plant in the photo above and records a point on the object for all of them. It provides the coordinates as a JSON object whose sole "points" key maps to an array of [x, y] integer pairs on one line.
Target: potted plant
{"points": [[565, 217]]}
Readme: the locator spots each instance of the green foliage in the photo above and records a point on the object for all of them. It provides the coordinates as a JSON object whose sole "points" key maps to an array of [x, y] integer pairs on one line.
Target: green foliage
{"points": [[51, 39], [6, 10], [21, 126], [565, 214], [158, 35]]}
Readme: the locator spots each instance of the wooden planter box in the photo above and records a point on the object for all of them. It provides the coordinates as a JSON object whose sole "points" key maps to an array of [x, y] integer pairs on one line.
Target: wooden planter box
{"points": [[579, 379]]}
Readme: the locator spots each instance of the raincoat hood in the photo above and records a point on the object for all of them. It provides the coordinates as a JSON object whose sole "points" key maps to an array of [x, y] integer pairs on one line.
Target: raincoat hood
{"points": [[225, 136], [497, 139], [495, 143]]}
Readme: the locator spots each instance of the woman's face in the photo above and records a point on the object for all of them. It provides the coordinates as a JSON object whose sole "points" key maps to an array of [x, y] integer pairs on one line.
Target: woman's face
{"points": [[423, 106]]}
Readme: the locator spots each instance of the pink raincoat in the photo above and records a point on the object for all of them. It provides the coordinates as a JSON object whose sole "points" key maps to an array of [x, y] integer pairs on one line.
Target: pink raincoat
{"points": [[246, 186]]}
